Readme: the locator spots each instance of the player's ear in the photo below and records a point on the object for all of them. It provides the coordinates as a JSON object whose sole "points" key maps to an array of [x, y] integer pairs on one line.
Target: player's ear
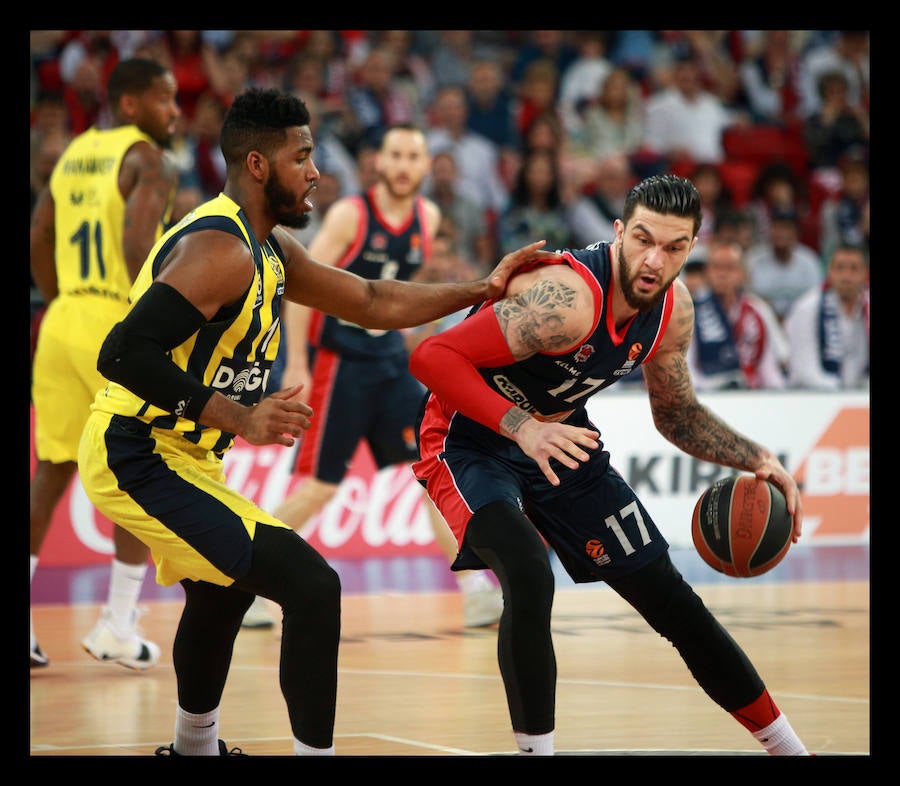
{"points": [[257, 165], [128, 107]]}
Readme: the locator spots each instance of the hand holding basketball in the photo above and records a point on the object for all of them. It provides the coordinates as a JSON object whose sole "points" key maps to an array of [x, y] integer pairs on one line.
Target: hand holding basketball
{"points": [[741, 526]]}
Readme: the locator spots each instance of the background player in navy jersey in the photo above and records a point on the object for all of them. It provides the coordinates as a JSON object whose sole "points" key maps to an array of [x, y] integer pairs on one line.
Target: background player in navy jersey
{"points": [[107, 201], [358, 381], [508, 454], [187, 367]]}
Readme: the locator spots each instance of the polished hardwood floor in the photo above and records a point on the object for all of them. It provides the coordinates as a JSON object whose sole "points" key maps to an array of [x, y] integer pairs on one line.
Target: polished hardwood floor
{"points": [[414, 683]]}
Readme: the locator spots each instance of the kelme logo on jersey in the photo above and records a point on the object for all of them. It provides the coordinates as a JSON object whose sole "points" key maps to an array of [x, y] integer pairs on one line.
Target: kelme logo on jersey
{"points": [[234, 383]]}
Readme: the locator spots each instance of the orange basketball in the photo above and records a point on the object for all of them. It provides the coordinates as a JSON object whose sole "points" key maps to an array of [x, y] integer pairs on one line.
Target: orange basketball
{"points": [[741, 526]]}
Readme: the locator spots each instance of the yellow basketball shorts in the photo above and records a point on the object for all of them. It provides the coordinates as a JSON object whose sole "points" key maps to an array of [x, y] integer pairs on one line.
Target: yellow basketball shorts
{"points": [[64, 373], [172, 496]]}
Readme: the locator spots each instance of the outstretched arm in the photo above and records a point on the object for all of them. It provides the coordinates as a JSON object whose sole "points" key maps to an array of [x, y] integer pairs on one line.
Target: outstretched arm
{"points": [[388, 304]]}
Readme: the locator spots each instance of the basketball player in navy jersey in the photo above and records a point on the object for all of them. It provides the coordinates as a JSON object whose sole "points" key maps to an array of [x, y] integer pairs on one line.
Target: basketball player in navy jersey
{"points": [[358, 382], [508, 454], [188, 366]]}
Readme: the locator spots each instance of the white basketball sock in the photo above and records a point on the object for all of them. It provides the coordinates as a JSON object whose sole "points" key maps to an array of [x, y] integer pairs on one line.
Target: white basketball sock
{"points": [[125, 584], [779, 739], [534, 744], [196, 735]]}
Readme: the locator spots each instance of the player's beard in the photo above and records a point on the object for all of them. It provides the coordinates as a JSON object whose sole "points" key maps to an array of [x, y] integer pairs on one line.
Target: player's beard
{"points": [[411, 189], [632, 296], [284, 204]]}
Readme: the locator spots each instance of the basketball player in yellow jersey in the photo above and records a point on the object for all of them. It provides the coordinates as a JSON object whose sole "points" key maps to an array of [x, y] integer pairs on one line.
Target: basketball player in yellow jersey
{"points": [[188, 367], [106, 204]]}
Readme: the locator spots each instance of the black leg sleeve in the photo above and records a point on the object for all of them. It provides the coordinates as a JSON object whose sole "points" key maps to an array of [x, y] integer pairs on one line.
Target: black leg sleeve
{"points": [[509, 544], [204, 641], [287, 570], [663, 598]]}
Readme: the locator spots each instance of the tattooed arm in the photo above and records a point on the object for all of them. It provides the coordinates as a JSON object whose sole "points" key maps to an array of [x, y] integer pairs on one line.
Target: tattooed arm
{"points": [[549, 308], [693, 427]]}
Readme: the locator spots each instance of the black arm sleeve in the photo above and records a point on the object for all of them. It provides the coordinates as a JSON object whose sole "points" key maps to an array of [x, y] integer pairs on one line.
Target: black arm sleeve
{"points": [[135, 353]]}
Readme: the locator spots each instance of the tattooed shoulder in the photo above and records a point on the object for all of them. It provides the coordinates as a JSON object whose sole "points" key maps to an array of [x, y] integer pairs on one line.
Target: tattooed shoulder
{"points": [[542, 318]]}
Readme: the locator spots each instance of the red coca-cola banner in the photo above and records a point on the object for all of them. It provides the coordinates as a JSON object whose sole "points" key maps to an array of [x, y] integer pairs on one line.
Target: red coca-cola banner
{"points": [[822, 438], [373, 514]]}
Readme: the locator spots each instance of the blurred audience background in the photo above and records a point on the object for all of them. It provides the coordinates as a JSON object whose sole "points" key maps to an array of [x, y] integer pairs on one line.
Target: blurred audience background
{"points": [[534, 133]]}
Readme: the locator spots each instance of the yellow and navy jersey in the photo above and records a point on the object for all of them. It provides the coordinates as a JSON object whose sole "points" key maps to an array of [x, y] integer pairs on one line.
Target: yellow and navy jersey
{"points": [[90, 213], [233, 352]]}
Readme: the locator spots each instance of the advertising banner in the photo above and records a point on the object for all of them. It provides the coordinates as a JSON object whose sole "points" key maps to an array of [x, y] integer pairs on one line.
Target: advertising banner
{"points": [[823, 439]]}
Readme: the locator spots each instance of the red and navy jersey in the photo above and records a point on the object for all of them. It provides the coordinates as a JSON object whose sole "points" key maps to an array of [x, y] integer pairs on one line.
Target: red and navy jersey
{"points": [[378, 251], [556, 387]]}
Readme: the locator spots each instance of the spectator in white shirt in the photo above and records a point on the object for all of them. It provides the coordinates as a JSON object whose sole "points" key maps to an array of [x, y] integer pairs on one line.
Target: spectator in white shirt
{"points": [[782, 268], [828, 328], [584, 78], [848, 53], [685, 121], [738, 342], [476, 156]]}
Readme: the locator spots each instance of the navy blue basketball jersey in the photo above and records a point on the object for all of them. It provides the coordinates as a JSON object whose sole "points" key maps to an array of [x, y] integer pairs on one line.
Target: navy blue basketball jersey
{"points": [[556, 387], [379, 251]]}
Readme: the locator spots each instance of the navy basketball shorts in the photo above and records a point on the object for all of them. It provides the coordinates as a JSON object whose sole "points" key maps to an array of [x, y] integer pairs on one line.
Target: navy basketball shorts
{"points": [[593, 520], [353, 400]]}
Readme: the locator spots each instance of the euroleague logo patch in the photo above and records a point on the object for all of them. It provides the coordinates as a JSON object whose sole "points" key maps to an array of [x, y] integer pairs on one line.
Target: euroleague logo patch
{"points": [[596, 551], [409, 437]]}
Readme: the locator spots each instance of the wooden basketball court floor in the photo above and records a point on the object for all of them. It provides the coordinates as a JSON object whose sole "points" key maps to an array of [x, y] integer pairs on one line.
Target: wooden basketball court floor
{"points": [[413, 682]]}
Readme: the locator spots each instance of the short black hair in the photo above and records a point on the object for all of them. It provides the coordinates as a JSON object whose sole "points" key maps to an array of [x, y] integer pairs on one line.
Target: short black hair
{"points": [[668, 195], [732, 218], [257, 120], [133, 76], [852, 247]]}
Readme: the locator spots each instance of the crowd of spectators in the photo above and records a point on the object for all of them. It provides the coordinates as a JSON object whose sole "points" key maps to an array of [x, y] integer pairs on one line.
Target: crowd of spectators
{"points": [[534, 133]]}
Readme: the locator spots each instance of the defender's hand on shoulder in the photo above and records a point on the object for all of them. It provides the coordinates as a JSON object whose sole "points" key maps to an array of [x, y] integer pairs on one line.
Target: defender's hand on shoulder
{"points": [[499, 277]]}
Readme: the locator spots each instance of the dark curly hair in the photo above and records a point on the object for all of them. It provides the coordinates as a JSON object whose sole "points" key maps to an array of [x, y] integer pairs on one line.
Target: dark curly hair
{"points": [[668, 195], [257, 120], [132, 76]]}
